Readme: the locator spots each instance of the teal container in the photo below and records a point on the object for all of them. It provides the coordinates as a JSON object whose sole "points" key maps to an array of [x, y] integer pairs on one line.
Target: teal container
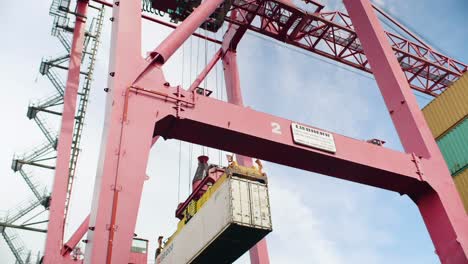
{"points": [[454, 147]]}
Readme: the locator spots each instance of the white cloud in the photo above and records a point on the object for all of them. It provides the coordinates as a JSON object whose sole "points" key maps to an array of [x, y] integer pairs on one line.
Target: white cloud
{"points": [[299, 230]]}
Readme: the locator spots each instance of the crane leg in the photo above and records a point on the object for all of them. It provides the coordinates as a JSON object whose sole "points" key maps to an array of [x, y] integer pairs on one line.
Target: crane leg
{"points": [[54, 240], [258, 253], [437, 199]]}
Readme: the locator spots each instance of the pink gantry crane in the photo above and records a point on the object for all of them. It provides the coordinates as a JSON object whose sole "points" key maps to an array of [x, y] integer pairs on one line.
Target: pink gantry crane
{"points": [[142, 106]]}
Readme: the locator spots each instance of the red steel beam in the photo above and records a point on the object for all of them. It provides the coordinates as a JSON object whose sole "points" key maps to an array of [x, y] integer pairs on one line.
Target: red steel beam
{"points": [[206, 70], [115, 205], [76, 237], [57, 217], [398, 24], [164, 23], [259, 252], [265, 136], [235, 32], [169, 45], [439, 203], [112, 193]]}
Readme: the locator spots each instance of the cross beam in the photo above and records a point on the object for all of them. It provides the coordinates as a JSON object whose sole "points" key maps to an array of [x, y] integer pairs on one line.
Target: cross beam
{"points": [[242, 130]]}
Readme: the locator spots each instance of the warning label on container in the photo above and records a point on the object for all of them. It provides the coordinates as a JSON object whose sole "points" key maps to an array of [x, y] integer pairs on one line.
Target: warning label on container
{"points": [[312, 137]]}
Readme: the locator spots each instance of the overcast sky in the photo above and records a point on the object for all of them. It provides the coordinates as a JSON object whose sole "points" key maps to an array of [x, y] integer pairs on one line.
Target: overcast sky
{"points": [[316, 219]]}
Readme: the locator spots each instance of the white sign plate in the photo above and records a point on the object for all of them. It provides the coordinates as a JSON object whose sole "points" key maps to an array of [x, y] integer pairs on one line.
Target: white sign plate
{"points": [[312, 137]]}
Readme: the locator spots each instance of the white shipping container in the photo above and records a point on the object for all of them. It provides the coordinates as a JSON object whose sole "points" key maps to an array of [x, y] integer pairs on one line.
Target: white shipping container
{"points": [[234, 219]]}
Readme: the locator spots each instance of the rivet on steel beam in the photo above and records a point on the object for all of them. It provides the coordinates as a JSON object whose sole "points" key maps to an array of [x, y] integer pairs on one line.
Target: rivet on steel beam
{"points": [[117, 3], [111, 19], [112, 227], [106, 90], [116, 188], [112, 74], [85, 241], [167, 84], [91, 228]]}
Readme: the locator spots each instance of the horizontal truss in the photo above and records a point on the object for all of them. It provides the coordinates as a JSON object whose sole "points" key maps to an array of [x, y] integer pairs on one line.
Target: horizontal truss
{"points": [[331, 34]]}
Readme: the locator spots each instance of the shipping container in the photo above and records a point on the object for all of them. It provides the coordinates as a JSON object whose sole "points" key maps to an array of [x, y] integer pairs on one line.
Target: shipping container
{"points": [[461, 181], [448, 108], [454, 147], [232, 220]]}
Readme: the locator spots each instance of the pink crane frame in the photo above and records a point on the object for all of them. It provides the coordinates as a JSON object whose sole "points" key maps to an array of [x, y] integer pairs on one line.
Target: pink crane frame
{"points": [[141, 106]]}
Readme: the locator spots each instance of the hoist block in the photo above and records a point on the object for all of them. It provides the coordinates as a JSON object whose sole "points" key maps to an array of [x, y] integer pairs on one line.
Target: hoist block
{"points": [[179, 10]]}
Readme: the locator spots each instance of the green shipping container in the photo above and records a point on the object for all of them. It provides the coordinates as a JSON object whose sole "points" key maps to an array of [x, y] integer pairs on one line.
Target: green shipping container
{"points": [[454, 147]]}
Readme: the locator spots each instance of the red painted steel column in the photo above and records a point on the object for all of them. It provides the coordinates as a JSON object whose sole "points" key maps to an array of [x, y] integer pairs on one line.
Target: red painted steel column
{"points": [[436, 197], [206, 70], [56, 225], [167, 48], [76, 237], [125, 146], [259, 252]]}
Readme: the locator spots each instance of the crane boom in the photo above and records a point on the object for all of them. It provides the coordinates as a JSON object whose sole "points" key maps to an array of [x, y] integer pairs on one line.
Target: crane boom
{"points": [[328, 34], [331, 34]]}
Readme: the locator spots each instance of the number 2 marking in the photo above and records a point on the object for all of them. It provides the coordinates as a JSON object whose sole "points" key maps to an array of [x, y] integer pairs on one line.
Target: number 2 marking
{"points": [[275, 128]]}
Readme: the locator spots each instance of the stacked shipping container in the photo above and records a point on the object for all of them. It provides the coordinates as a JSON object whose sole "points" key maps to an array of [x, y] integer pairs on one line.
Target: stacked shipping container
{"points": [[447, 117]]}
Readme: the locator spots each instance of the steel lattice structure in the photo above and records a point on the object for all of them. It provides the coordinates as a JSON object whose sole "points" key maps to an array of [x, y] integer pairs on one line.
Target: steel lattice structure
{"points": [[332, 35], [142, 106], [43, 155]]}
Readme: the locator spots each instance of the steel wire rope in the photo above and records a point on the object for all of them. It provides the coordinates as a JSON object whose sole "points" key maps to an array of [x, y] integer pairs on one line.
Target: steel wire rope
{"points": [[180, 141], [180, 165], [196, 72], [315, 57], [190, 147], [392, 26], [399, 31], [217, 90], [206, 77], [410, 28], [190, 165]]}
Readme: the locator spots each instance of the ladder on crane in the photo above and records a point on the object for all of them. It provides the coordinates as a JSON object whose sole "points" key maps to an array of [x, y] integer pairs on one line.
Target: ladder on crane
{"points": [[43, 156]]}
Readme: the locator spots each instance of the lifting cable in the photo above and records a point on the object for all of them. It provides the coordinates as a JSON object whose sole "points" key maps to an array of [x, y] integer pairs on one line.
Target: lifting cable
{"points": [[190, 145], [217, 94], [180, 165], [327, 61], [196, 75], [202, 150], [222, 88], [190, 165], [206, 77], [180, 141]]}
